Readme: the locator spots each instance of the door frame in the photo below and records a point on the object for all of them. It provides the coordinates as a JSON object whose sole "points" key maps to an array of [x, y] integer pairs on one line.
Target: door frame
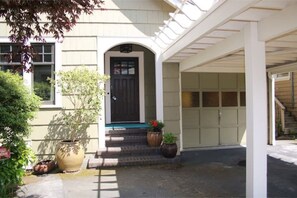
{"points": [[140, 56]]}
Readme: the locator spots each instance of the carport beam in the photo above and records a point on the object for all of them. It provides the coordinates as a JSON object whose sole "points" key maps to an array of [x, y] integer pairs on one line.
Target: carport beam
{"points": [[256, 113]]}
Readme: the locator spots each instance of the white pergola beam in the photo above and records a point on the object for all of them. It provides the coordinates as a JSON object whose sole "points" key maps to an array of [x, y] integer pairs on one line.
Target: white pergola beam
{"points": [[279, 24], [230, 45], [256, 113], [226, 11]]}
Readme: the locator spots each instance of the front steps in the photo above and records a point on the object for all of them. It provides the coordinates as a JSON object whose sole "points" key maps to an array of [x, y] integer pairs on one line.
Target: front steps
{"points": [[290, 123], [127, 147]]}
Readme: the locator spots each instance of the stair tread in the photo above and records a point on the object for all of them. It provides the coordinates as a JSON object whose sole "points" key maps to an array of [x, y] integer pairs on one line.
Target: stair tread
{"points": [[127, 148], [126, 161]]}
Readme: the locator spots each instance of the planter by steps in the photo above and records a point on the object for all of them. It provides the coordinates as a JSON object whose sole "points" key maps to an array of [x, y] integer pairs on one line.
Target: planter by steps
{"points": [[154, 139], [169, 150]]}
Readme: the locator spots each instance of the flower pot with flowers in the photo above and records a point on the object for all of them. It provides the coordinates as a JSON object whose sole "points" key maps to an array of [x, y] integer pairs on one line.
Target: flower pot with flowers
{"points": [[154, 134]]}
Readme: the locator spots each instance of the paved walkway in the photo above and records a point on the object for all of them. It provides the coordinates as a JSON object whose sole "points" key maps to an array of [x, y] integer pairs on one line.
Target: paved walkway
{"points": [[205, 173]]}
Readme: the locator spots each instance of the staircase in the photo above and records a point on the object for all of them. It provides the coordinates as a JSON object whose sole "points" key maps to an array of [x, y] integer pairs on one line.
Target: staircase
{"points": [[290, 123], [126, 147]]}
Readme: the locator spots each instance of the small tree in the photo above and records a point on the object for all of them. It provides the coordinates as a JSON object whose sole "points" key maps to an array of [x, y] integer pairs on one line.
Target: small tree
{"points": [[17, 107], [83, 89]]}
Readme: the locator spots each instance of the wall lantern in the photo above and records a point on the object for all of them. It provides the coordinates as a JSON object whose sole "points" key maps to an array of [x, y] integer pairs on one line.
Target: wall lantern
{"points": [[126, 48]]}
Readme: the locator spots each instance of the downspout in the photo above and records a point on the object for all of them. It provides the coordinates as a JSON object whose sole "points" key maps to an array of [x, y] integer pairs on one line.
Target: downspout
{"points": [[292, 90]]}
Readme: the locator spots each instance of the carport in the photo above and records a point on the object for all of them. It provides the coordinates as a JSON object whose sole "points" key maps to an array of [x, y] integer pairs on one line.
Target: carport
{"points": [[255, 37]]}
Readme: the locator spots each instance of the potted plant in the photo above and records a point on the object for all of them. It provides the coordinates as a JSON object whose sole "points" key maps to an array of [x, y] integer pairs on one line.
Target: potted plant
{"points": [[154, 134], [82, 88], [169, 146]]}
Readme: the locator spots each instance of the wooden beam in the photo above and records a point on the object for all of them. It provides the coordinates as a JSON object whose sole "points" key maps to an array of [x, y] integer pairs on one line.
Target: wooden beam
{"points": [[228, 46], [279, 24], [214, 18]]}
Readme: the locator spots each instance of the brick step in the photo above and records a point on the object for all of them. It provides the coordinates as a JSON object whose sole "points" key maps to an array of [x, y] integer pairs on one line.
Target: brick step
{"points": [[132, 150], [125, 140], [132, 161], [126, 132]]}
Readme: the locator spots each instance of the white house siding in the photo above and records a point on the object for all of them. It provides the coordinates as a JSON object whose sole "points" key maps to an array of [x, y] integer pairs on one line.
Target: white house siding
{"points": [[120, 18], [212, 126], [171, 96]]}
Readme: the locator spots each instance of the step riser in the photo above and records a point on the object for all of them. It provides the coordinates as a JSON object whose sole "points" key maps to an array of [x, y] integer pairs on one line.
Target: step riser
{"points": [[126, 132], [106, 163], [126, 154], [120, 144]]}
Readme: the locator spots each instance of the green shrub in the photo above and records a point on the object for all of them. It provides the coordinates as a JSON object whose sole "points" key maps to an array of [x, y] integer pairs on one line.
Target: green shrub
{"points": [[17, 107], [169, 138]]}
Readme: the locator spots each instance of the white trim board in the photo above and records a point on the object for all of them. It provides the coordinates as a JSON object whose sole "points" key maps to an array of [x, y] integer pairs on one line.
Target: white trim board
{"points": [[140, 56]]}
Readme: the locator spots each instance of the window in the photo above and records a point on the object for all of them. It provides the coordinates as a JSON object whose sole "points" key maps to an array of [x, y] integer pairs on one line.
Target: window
{"points": [[229, 99], [44, 64], [283, 76], [190, 99], [210, 99], [43, 68]]}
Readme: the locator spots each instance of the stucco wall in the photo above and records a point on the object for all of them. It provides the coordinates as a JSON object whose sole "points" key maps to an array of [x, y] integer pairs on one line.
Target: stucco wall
{"points": [[171, 96], [120, 18]]}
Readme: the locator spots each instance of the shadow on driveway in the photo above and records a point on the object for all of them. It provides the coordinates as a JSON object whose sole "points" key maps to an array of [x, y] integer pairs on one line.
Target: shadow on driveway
{"points": [[204, 173]]}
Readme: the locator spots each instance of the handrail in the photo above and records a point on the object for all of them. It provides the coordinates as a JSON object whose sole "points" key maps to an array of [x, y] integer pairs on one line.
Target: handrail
{"points": [[282, 116], [279, 103]]}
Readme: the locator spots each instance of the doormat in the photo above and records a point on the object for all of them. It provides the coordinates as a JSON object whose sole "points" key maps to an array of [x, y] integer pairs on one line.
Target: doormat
{"points": [[126, 126]]}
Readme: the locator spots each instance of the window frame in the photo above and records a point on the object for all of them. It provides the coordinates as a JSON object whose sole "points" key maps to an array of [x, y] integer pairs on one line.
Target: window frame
{"points": [[28, 76]]}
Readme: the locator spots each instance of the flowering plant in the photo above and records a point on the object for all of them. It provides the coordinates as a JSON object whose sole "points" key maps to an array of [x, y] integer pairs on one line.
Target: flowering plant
{"points": [[4, 152], [155, 125]]}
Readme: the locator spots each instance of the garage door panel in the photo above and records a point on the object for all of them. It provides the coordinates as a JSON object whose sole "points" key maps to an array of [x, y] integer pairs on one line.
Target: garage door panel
{"points": [[229, 117], [191, 118], [209, 136], [209, 117], [228, 136], [241, 116], [242, 135], [190, 138]]}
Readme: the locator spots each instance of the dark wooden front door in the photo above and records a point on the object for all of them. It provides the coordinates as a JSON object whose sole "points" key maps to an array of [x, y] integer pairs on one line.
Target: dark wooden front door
{"points": [[124, 89]]}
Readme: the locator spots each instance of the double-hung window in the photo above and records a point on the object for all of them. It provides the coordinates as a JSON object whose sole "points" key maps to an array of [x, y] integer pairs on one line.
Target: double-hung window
{"points": [[44, 64]]}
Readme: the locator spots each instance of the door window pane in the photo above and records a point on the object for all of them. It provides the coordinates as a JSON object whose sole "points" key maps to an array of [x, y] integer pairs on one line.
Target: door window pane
{"points": [[229, 99], [210, 99], [124, 71], [131, 71], [190, 99]]}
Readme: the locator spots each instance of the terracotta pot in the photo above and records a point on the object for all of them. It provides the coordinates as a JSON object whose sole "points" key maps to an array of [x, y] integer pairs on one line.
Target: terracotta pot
{"points": [[69, 155], [154, 139], [44, 166], [169, 150]]}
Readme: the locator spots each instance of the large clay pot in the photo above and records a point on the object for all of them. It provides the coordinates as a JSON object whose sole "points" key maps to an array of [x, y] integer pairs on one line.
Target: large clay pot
{"points": [[169, 150], [69, 155], [154, 139]]}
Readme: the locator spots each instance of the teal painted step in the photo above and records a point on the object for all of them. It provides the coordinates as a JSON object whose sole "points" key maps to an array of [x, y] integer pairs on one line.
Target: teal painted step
{"points": [[126, 126]]}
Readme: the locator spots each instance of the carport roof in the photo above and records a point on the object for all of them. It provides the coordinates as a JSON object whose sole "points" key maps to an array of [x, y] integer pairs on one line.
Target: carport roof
{"points": [[213, 40]]}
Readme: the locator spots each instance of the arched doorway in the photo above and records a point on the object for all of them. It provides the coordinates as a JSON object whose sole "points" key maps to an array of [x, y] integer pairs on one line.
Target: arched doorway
{"points": [[131, 90]]}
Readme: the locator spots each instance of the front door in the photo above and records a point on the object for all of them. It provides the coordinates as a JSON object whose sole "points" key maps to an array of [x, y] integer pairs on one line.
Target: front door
{"points": [[124, 89]]}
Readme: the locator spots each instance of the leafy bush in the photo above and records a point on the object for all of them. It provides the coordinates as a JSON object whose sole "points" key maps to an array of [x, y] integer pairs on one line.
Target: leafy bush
{"points": [[17, 107], [169, 138]]}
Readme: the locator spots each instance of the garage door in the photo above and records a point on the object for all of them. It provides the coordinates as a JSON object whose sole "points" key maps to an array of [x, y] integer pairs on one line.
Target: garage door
{"points": [[213, 109]]}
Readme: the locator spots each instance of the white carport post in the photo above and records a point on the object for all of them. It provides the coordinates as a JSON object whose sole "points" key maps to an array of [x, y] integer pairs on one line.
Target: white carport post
{"points": [[159, 86], [272, 109], [256, 113]]}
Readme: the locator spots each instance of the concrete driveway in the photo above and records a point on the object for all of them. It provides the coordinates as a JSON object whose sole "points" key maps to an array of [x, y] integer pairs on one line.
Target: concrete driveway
{"points": [[204, 173]]}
